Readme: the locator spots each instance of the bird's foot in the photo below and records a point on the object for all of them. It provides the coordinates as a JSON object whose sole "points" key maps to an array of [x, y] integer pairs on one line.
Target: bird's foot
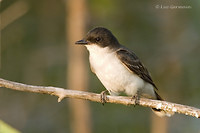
{"points": [[103, 96], [137, 99]]}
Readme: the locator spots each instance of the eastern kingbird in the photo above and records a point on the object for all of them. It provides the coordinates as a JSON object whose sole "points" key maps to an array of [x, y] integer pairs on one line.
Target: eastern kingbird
{"points": [[118, 69]]}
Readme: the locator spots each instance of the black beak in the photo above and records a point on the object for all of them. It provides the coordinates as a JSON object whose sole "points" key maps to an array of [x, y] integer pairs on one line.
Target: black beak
{"points": [[81, 42]]}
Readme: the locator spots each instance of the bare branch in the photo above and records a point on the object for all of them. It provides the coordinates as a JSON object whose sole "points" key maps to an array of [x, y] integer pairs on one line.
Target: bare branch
{"points": [[62, 93]]}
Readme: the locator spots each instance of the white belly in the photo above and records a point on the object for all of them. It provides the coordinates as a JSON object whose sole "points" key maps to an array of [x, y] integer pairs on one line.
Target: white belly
{"points": [[114, 76]]}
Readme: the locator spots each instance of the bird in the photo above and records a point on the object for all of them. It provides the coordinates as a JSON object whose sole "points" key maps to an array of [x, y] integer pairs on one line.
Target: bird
{"points": [[118, 68]]}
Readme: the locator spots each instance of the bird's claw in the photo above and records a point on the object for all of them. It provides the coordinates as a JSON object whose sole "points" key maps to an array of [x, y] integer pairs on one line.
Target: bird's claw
{"points": [[137, 99], [103, 96]]}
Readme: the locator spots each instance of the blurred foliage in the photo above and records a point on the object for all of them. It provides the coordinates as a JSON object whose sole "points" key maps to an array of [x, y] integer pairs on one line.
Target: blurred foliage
{"points": [[5, 128], [33, 51]]}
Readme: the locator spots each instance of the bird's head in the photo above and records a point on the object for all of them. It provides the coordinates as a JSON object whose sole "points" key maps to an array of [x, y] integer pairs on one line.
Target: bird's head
{"points": [[99, 36]]}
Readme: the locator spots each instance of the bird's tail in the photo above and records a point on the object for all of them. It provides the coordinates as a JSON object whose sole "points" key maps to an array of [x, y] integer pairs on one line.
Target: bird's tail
{"points": [[160, 112]]}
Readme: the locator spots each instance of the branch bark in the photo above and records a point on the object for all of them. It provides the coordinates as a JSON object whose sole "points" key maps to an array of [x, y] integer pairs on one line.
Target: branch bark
{"points": [[66, 93]]}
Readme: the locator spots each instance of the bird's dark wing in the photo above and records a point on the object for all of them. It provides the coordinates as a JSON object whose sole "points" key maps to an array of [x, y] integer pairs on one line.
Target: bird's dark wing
{"points": [[132, 62]]}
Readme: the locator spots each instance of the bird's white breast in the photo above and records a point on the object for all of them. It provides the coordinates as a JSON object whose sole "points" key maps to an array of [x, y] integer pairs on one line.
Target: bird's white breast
{"points": [[112, 73]]}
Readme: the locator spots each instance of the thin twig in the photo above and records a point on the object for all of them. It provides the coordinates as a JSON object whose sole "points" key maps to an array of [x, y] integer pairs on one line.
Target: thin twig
{"points": [[62, 93]]}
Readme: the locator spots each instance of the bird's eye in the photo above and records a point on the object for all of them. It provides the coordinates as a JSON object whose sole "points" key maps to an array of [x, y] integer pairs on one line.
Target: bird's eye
{"points": [[98, 39]]}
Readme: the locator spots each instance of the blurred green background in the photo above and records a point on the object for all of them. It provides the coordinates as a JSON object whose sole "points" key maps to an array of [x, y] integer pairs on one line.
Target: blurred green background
{"points": [[33, 51]]}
